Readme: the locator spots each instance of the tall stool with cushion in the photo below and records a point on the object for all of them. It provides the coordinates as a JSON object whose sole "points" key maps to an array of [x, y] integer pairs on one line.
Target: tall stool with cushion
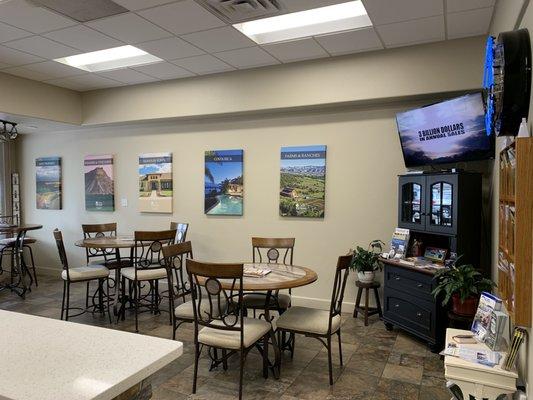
{"points": [[366, 310], [69, 275], [221, 327], [149, 266], [320, 324], [181, 231], [7, 247], [271, 250]]}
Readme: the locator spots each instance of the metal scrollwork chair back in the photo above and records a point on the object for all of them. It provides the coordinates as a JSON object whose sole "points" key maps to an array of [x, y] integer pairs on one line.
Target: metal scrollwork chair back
{"points": [[181, 231], [273, 250], [97, 231], [58, 236], [149, 248]]}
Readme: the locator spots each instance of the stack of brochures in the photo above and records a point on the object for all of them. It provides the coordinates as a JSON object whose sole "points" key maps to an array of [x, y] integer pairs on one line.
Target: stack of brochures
{"points": [[490, 321], [253, 271], [472, 354], [399, 243]]}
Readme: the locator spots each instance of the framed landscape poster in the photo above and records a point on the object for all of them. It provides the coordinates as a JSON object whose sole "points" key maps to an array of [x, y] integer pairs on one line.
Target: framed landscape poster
{"points": [[223, 183], [302, 181], [99, 184], [155, 182], [48, 183]]}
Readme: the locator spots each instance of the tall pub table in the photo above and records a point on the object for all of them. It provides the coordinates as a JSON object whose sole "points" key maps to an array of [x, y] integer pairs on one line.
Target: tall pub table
{"points": [[18, 282]]}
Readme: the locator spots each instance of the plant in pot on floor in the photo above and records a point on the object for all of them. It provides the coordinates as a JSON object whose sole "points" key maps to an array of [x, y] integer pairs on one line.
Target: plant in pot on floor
{"points": [[366, 261], [462, 284]]}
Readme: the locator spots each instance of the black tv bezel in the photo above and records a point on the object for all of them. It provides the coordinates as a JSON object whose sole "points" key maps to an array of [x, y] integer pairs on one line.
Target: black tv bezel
{"points": [[469, 159]]}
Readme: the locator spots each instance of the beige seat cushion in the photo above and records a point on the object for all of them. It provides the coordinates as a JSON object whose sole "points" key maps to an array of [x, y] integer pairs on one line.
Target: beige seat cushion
{"points": [[144, 274], [11, 241], [303, 319], [85, 273], [254, 329], [185, 310], [257, 300]]}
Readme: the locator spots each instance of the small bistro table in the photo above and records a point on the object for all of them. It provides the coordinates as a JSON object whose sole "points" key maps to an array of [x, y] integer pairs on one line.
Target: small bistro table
{"points": [[281, 277], [20, 286]]}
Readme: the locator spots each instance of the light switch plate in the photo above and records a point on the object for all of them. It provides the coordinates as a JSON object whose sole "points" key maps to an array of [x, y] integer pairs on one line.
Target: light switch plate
{"points": [[124, 202]]}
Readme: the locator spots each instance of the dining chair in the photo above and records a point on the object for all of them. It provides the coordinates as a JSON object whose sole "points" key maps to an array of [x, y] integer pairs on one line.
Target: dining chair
{"points": [[88, 273], [271, 250], [148, 266], [320, 324], [223, 327], [181, 231], [175, 258]]}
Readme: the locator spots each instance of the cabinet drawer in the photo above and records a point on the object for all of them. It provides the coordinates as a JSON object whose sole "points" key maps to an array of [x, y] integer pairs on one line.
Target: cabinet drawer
{"points": [[411, 282], [410, 312]]}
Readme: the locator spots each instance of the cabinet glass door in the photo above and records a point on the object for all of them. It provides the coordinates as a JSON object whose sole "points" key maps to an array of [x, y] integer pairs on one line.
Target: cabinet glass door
{"points": [[411, 199], [441, 195]]}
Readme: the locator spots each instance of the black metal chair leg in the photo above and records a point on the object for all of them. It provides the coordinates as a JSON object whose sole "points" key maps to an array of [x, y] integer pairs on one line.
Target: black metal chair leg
{"points": [[196, 357], [293, 345], [330, 366], [265, 357], [101, 296], [63, 300], [108, 301], [224, 359], [136, 305], [33, 266], [68, 301], [87, 295], [241, 373], [340, 345]]}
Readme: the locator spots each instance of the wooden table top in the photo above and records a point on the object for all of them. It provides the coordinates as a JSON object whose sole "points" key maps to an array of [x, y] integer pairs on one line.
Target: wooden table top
{"points": [[282, 277], [19, 228], [107, 242]]}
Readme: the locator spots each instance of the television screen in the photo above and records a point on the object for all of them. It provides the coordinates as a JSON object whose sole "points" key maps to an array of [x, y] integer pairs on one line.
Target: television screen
{"points": [[447, 132]]}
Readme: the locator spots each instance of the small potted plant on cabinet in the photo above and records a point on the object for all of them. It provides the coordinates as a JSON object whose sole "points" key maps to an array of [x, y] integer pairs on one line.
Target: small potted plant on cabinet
{"points": [[366, 261], [462, 285]]}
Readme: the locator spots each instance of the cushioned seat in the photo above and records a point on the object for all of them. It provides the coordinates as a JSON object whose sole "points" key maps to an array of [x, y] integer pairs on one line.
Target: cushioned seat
{"points": [[257, 300], [303, 319], [144, 274], [86, 273], [254, 329], [185, 310], [11, 241]]}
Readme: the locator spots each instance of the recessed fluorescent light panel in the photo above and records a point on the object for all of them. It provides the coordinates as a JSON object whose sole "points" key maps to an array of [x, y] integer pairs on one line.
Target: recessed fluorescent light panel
{"points": [[318, 21], [115, 58]]}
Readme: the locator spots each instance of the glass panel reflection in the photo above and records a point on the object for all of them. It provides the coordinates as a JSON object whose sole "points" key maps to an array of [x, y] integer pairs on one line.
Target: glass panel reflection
{"points": [[411, 197], [441, 204]]}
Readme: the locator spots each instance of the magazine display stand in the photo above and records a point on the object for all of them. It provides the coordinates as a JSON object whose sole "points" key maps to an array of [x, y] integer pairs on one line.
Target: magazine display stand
{"points": [[515, 229]]}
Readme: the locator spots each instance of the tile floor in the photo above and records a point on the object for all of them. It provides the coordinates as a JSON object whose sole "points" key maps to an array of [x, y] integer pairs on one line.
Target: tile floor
{"points": [[378, 364]]}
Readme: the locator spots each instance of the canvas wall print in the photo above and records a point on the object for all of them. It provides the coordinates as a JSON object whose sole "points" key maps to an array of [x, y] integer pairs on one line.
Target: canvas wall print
{"points": [[99, 184], [155, 182], [223, 188], [303, 181], [48, 185]]}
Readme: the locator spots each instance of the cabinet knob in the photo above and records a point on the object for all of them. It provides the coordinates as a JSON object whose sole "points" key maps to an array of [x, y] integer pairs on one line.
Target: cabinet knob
{"points": [[397, 278], [396, 305], [419, 314], [419, 285]]}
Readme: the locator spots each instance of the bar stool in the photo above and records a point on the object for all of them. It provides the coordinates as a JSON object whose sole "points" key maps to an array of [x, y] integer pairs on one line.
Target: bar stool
{"points": [[366, 310], [7, 248]]}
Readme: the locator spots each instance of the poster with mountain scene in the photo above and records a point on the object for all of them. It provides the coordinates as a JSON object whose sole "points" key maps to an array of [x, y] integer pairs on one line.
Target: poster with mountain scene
{"points": [[302, 181], [155, 182], [99, 184], [223, 184], [48, 183]]}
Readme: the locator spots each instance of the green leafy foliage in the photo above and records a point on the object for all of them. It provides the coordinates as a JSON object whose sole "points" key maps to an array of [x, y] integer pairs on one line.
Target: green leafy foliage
{"points": [[367, 259], [463, 280]]}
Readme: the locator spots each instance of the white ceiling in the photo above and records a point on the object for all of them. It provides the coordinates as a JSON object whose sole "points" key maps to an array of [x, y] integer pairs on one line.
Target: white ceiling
{"points": [[193, 41]]}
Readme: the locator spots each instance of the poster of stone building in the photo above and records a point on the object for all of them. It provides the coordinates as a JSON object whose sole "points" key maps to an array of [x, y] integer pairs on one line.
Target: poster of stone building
{"points": [[155, 182], [99, 184]]}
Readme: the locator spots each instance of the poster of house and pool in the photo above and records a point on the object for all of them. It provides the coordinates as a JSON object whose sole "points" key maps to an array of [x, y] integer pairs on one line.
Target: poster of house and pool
{"points": [[48, 183], [155, 182], [99, 185], [223, 187], [302, 181]]}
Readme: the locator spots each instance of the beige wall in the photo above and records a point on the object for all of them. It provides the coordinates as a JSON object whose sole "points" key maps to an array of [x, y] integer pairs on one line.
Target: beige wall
{"points": [[363, 160]]}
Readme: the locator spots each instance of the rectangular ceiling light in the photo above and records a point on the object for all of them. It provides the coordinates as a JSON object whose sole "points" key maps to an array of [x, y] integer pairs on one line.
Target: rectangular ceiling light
{"points": [[115, 58], [317, 21]]}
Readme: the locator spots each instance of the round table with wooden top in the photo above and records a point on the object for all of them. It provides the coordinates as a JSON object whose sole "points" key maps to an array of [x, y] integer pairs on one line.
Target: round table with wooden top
{"points": [[111, 242], [20, 285], [280, 277]]}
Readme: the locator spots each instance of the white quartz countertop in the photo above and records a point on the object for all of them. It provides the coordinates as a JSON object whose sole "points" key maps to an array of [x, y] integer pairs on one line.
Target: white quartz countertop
{"points": [[48, 359]]}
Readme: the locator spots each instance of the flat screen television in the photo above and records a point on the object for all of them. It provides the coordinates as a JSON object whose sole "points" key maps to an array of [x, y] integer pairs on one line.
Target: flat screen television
{"points": [[451, 131]]}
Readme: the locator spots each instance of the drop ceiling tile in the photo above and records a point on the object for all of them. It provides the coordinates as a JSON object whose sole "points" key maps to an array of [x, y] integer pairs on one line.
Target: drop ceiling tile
{"points": [[182, 17], [463, 5], [301, 5], [387, 12], [469, 23], [135, 5], [8, 32], [83, 38], [296, 50], [206, 64], [219, 39], [31, 18], [42, 47], [412, 32], [129, 28], [26, 73], [84, 82], [247, 58], [170, 48], [350, 42], [16, 58], [53, 69], [164, 70], [128, 76]]}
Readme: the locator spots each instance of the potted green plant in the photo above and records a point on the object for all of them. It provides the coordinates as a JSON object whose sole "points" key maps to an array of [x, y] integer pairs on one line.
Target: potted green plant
{"points": [[462, 284], [366, 261]]}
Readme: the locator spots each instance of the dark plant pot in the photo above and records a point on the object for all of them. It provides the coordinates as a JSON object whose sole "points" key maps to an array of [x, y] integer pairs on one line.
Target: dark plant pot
{"points": [[467, 308]]}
